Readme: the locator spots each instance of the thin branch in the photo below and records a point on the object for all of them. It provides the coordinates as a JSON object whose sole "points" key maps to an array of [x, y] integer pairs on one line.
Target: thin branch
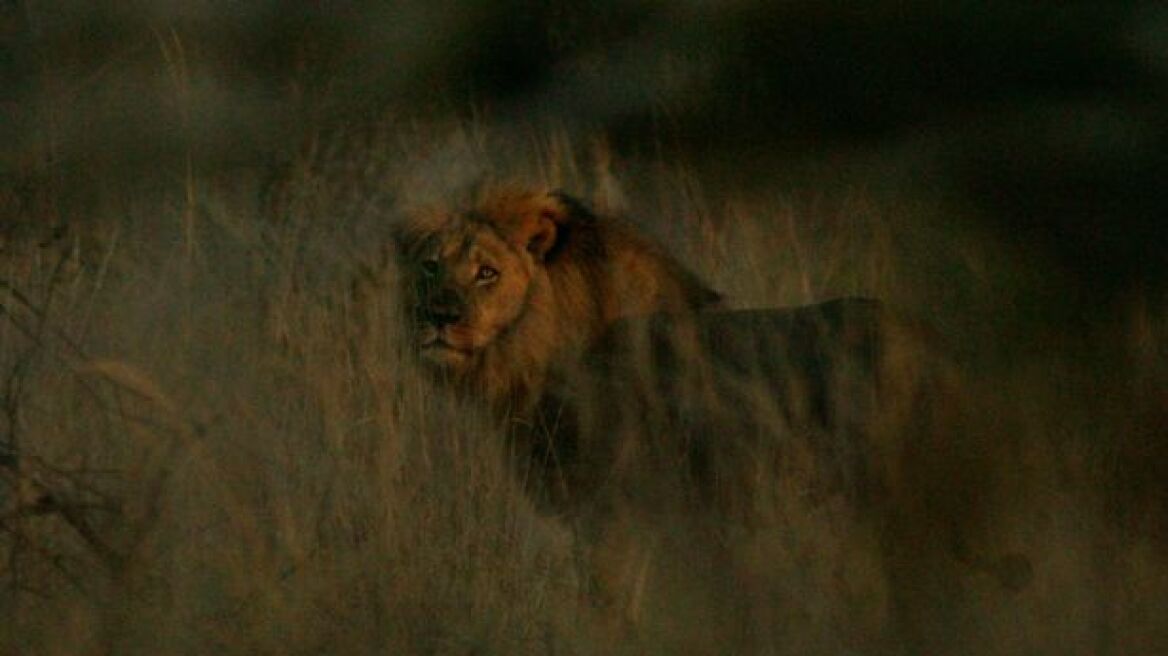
{"points": [[74, 516]]}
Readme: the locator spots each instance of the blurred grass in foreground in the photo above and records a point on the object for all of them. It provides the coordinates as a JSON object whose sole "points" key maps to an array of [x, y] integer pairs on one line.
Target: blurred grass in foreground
{"points": [[208, 448]]}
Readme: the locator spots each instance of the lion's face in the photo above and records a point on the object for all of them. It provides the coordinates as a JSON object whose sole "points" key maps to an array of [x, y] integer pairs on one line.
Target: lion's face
{"points": [[469, 276], [470, 284]]}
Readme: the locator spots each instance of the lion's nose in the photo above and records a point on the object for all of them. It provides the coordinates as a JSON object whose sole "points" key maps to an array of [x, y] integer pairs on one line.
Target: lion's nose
{"points": [[442, 309], [442, 315]]}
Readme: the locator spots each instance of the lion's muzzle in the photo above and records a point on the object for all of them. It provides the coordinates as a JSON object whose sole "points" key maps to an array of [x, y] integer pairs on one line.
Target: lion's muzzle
{"points": [[442, 333], [442, 309]]}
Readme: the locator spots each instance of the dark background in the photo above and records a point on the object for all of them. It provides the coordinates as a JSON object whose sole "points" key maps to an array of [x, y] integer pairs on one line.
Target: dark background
{"points": [[1047, 118]]}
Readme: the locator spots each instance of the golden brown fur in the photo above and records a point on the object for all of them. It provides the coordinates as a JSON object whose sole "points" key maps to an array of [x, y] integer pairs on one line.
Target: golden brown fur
{"points": [[745, 418], [653, 428], [500, 292], [712, 393]]}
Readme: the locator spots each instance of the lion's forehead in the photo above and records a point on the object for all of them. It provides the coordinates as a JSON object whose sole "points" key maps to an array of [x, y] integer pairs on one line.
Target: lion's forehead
{"points": [[470, 243]]}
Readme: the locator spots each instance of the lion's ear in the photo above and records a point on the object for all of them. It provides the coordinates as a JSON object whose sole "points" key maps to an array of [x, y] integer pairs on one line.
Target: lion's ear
{"points": [[544, 227], [538, 234], [565, 209]]}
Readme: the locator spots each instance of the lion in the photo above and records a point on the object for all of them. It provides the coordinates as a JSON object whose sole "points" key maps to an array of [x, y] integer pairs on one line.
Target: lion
{"points": [[499, 293], [726, 421], [660, 426]]}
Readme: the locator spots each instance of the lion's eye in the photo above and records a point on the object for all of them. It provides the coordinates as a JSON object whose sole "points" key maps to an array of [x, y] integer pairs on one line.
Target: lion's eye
{"points": [[486, 274], [430, 268]]}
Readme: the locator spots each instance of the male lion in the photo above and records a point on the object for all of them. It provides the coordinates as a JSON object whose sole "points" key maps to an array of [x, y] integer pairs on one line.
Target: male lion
{"points": [[500, 292], [663, 428], [833, 419]]}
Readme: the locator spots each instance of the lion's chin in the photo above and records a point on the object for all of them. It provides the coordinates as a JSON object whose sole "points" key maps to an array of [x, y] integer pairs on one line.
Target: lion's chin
{"points": [[445, 356]]}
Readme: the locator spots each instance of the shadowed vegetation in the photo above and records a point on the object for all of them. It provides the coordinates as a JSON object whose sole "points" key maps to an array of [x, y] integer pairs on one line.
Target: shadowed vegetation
{"points": [[209, 444]]}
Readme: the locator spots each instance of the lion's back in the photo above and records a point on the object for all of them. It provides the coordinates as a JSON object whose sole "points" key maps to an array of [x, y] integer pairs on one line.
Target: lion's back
{"points": [[718, 392]]}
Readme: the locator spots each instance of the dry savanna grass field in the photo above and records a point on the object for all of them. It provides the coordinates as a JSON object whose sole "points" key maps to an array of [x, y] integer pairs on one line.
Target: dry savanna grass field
{"points": [[209, 444], [211, 448]]}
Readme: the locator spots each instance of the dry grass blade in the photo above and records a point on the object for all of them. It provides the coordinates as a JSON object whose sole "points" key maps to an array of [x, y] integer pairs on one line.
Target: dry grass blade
{"points": [[131, 379]]}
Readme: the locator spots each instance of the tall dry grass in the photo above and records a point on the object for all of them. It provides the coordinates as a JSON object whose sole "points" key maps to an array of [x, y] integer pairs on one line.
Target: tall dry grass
{"points": [[209, 447]]}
